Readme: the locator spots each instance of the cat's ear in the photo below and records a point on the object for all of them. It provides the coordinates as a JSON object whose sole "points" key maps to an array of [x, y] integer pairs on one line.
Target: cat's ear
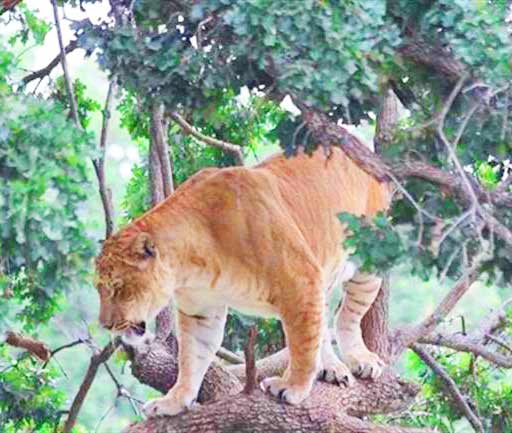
{"points": [[143, 246]]}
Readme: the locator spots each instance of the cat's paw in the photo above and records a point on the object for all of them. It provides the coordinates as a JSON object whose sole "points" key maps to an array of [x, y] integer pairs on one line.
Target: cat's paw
{"points": [[280, 388]]}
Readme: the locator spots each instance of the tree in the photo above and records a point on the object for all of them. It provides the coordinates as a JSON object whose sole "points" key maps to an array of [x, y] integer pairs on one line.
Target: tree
{"points": [[447, 63]]}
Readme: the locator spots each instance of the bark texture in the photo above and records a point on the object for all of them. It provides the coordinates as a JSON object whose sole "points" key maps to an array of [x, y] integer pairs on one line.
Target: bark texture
{"points": [[33, 346], [157, 366], [329, 409], [375, 323]]}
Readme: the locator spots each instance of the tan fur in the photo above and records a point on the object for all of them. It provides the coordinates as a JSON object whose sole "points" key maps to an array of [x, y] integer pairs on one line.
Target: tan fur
{"points": [[265, 240]]}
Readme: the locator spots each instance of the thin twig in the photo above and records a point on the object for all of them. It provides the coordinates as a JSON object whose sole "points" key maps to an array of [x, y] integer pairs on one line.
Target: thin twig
{"points": [[465, 344], [231, 148], [199, 31], [94, 364], [444, 307], [64, 63], [99, 163], [465, 122], [499, 342], [449, 146], [104, 416], [416, 205], [43, 72], [63, 347], [453, 226], [451, 388]]}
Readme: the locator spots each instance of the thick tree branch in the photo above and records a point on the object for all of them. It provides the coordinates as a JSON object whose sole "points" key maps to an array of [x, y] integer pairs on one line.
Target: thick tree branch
{"points": [[31, 345], [231, 148], [94, 364], [256, 413], [328, 133], [438, 59], [329, 408], [41, 73], [157, 366], [272, 365], [451, 389]]}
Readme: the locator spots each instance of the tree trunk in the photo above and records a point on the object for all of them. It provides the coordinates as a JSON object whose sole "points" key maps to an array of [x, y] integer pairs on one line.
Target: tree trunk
{"points": [[159, 141], [161, 186], [375, 323]]}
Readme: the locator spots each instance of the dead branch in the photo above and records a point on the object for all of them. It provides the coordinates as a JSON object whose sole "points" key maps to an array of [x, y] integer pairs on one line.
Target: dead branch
{"points": [[387, 120], [96, 360], [99, 163], [31, 345], [231, 148], [462, 343], [63, 347], [451, 389], [43, 72], [229, 356]]}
